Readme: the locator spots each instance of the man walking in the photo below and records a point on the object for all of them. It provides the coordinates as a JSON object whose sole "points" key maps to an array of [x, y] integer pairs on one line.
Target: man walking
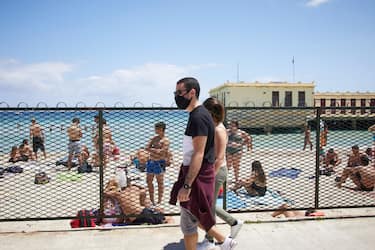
{"points": [[194, 188]]}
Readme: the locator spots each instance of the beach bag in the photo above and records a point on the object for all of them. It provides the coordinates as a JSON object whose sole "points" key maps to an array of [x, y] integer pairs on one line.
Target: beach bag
{"points": [[121, 177], [14, 169], [85, 218], [41, 178]]}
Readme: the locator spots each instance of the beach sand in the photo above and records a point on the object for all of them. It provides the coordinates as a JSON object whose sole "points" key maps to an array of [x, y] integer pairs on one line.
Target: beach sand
{"points": [[20, 198]]}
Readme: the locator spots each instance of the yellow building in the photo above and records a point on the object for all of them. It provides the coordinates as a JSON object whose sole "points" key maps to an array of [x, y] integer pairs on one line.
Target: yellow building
{"points": [[272, 94], [362, 102]]}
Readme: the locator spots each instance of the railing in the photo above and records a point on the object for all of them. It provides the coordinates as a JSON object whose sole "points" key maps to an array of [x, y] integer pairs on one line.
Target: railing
{"points": [[294, 176]]}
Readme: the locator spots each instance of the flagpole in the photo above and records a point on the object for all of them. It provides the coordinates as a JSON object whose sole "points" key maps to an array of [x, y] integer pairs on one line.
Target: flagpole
{"points": [[294, 80], [238, 73]]}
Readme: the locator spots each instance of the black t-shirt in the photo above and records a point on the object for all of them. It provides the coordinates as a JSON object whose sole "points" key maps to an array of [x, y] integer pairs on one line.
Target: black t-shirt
{"points": [[200, 123]]}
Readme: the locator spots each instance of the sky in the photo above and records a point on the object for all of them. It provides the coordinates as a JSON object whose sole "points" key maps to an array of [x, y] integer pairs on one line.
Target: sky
{"points": [[132, 53]]}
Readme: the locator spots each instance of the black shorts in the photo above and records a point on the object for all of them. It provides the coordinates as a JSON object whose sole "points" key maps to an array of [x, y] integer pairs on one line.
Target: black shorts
{"points": [[150, 217], [260, 190], [38, 144]]}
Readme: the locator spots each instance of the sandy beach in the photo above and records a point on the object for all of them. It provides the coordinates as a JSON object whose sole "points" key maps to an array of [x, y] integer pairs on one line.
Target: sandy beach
{"points": [[68, 192]]}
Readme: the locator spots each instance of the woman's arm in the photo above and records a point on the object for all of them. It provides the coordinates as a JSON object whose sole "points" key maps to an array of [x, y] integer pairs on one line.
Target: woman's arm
{"points": [[220, 146]]}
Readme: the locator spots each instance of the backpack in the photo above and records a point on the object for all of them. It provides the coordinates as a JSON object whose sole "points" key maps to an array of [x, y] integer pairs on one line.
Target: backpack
{"points": [[41, 178], [85, 218]]}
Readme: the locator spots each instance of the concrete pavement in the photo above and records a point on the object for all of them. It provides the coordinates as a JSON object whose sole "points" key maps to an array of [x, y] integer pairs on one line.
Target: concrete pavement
{"points": [[343, 234]]}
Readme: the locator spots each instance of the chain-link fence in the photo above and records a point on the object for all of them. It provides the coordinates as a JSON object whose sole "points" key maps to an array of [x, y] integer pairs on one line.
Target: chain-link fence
{"points": [[38, 180]]}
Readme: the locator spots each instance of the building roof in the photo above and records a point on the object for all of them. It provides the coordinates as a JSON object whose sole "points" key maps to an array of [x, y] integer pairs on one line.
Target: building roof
{"points": [[260, 84]]}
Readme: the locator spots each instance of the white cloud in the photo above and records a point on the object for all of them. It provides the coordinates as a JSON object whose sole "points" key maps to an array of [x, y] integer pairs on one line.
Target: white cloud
{"points": [[316, 3], [39, 76], [150, 84]]}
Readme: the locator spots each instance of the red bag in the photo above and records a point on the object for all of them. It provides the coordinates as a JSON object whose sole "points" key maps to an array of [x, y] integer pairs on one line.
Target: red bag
{"points": [[85, 218]]}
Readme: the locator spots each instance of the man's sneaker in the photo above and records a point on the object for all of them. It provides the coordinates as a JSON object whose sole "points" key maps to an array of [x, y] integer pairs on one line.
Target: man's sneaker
{"points": [[228, 244], [206, 245], [235, 229]]}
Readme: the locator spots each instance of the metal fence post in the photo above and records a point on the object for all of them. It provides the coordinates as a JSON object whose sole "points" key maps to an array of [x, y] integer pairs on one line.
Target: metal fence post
{"points": [[317, 157], [101, 161]]}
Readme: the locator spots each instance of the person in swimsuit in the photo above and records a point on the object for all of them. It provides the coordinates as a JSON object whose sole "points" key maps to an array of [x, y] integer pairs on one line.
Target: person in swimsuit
{"points": [[108, 143], [307, 140], [134, 203], [332, 160], [372, 130], [255, 185], [363, 176], [158, 148], [14, 155], [74, 146], [236, 140], [37, 137], [140, 159]]}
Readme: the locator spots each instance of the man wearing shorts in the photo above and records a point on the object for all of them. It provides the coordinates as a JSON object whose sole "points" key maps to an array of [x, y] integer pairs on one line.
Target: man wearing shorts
{"points": [[194, 188], [74, 146], [37, 137], [158, 148]]}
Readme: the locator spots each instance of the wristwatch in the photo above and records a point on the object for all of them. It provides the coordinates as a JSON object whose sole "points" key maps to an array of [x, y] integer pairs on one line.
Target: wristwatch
{"points": [[187, 186]]}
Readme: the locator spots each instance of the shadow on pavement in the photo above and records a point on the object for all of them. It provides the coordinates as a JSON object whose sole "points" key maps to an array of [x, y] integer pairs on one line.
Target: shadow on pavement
{"points": [[175, 246]]}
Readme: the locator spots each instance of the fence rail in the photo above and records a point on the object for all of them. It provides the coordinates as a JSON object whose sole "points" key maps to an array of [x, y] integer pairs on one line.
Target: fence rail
{"points": [[295, 176]]}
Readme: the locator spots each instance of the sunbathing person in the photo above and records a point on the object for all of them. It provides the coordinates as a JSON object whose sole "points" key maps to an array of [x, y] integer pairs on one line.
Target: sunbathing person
{"points": [[256, 184], [355, 157], [25, 149], [363, 176], [134, 204], [331, 160], [14, 155], [283, 210]]}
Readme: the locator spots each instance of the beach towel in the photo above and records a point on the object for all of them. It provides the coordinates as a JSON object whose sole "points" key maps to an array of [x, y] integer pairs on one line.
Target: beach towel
{"points": [[233, 201], [286, 172], [271, 198], [69, 176]]}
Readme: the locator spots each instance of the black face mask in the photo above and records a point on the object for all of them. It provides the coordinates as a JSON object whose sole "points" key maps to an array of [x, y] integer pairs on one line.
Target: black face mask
{"points": [[182, 102]]}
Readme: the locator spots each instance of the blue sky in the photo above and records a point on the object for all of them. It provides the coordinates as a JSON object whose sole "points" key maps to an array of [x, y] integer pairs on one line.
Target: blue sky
{"points": [[134, 51]]}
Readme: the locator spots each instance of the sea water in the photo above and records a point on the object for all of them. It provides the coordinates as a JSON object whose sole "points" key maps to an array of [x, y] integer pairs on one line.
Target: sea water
{"points": [[132, 129]]}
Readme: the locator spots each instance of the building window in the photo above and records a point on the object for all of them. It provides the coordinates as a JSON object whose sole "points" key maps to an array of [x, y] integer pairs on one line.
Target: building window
{"points": [[343, 105], [275, 98], [372, 105], [333, 106], [352, 104], [301, 99], [323, 105], [363, 106], [288, 99]]}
